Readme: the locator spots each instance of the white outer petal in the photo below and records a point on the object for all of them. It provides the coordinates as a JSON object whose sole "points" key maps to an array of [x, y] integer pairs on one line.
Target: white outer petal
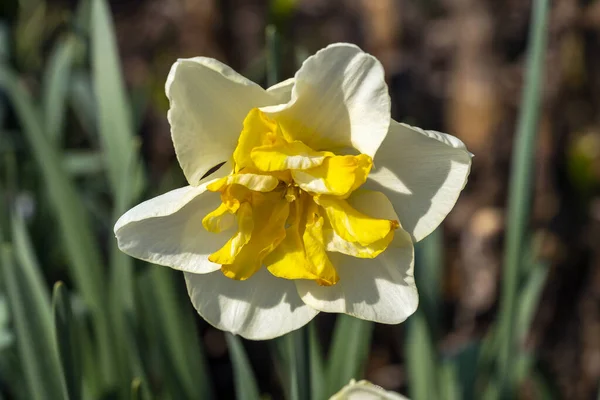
{"points": [[209, 102], [380, 289], [365, 390], [422, 173], [167, 230], [340, 99], [259, 308], [282, 91]]}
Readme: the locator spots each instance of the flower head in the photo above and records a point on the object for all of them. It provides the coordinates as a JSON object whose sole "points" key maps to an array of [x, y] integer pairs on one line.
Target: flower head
{"points": [[316, 205], [365, 390]]}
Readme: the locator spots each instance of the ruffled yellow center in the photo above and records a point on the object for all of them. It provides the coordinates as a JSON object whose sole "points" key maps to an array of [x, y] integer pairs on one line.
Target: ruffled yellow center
{"points": [[289, 202]]}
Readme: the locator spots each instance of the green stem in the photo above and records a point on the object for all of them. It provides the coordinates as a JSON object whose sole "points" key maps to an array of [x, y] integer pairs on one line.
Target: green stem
{"points": [[520, 191]]}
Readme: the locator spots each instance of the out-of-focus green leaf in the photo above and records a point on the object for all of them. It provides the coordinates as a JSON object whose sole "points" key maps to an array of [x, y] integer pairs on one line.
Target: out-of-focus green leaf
{"points": [[6, 335], [429, 258], [56, 84], [67, 341], [83, 103], [180, 337], [83, 163], [245, 382], [4, 42], [294, 356], [83, 16], [74, 225], [520, 192], [273, 53], [421, 359], [529, 299], [449, 387], [120, 147], [349, 350], [317, 366], [31, 312], [139, 391], [29, 31], [467, 367], [114, 110]]}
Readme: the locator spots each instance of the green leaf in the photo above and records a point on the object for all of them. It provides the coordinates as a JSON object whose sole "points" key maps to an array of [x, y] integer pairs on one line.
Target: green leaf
{"points": [[179, 335], [295, 358], [421, 359], [73, 222], [114, 110], [83, 103], [83, 163], [349, 351], [520, 192], [67, 340], [6, 335], [245, 382], [429, 258], [56, 85], [529, 298], [449, 387], [468, 368], [317, 365], [31, 312], [139, 391]]}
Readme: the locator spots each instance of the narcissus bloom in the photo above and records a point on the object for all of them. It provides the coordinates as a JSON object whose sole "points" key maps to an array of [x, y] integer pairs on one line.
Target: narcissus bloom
{"points": [[365, 390], [318, 202]]}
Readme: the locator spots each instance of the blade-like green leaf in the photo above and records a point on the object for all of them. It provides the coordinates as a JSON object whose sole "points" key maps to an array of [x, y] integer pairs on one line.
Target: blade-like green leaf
{"points": [[317, 366], [520, 192], [120, 147], [421, 359], [139, 391], [179, 335], [245, 382], [449, 387], [74, 225], [114, 110], [83, 103], [83, 163], [6, 335], [429, 258], [349, 351], [294, 357], [468, 368], [67, 340], [56, 85], [529, 299], [30, 308]]}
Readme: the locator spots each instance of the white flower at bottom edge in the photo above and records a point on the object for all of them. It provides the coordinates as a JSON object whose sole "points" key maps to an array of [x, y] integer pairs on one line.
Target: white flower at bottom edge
{"points": [[365, 390], [317, 206]]}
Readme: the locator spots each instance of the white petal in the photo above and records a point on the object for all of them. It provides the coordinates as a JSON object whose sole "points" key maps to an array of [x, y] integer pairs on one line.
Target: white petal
{"points": [[259, 308], [422, 173], [282, 91], [340, 99], [209, 102], [365, 390], [167, 230], [380, 289]]}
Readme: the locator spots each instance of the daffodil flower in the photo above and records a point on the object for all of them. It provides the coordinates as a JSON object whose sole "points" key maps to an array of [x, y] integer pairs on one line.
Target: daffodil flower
{"points": [[365, 390], [316, 204]]}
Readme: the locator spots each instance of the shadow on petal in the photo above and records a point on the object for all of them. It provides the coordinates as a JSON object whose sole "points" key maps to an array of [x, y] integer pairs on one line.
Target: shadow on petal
{"points": [[261, 307], [422, 173]]}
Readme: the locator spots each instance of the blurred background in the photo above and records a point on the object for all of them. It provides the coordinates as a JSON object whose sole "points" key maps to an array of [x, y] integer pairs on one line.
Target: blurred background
{"points": [[84, 135]]}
